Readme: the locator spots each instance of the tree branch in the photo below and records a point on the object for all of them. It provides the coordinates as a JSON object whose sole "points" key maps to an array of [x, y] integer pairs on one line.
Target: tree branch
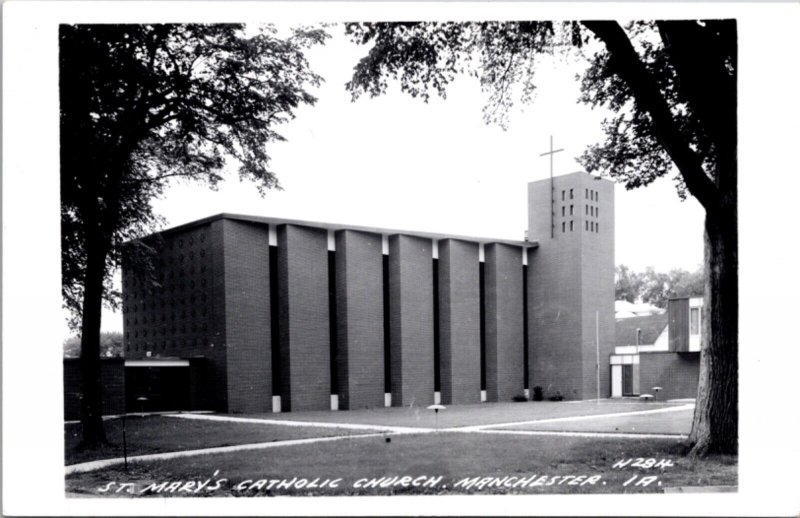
{"points": [[649, 98]]}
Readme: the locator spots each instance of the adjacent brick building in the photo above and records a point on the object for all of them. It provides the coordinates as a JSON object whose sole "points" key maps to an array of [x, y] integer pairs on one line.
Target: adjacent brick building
{"points": [[267, 313]]}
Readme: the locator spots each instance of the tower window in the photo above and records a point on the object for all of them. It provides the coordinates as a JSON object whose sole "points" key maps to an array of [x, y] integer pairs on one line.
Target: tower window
{"points": [[587, 224], [563, 193], [587, 194], [597, 228], [596, 196], [592, 226], [570, 226], [563, 210], [570, 210], [570, 194], [597, 212], [563, 226], [587, 209]]}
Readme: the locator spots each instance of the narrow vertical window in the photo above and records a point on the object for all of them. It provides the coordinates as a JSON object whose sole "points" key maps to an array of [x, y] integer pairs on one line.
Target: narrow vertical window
{"points": [[596, 196], [587, 194], [332, 323], [570, 226], [563, 193], [525, 324], [587, 209], [387, 338], [436, 342], [587, 224], [570, 209], [482, 320], [592, 226], [694, 321], [274, 321], [597, 212], [597, 228], [563, 210], [570, 194], [563, 226]]}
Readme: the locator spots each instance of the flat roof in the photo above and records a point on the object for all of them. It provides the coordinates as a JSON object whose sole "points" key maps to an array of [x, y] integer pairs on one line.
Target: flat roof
{"points": [[263, 220]]}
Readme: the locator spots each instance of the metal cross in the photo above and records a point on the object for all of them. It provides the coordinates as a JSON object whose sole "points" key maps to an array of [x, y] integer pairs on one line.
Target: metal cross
{"points": [[552, 188]]}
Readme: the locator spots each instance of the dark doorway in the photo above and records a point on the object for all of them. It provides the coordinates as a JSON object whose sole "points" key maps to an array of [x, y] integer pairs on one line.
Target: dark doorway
{"points": [[627, 380], [163, 388]]}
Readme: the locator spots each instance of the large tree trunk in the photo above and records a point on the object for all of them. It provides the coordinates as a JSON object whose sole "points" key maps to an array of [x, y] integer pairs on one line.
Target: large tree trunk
{"points": [[716, 415], [93, 432]]}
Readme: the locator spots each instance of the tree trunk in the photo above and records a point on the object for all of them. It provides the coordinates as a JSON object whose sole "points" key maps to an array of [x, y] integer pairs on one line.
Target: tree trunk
{"points": [[93, 432], [716, 415]]}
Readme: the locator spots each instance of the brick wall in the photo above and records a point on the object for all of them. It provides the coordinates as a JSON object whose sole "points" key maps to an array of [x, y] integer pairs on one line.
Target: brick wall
{"points": [[459, 322], [597, 286], [179, 310], [676, 373], [570, 279], [247, 316], [304, 315], [504, 321], [359, 309], [411, 320], [112, 379]]}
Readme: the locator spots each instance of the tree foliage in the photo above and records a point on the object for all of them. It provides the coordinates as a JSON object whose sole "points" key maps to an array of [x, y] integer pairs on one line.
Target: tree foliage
{"points": [[657, 288], [143, 104], [110, 345]]}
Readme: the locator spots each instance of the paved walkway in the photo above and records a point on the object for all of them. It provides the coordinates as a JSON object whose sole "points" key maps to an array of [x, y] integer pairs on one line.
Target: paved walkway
{"points": [[312, 424], [578, 418]]}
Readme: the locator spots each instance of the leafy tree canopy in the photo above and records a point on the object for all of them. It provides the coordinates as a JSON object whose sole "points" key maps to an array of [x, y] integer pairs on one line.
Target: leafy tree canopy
{"points": [[657, 288], [110, 345], [143, 104], [693, 91]]}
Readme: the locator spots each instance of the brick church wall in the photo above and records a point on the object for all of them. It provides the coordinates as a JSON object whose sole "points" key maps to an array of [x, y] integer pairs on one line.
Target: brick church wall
{"points": [[459, 322], [359, 307], [304, 315], [112, 378], [504, 322], [411, 320], [676, 373], [247, 316]]}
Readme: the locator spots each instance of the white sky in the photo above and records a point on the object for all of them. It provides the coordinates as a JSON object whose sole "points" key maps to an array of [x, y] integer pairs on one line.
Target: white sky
{"points": [[397, 162]]}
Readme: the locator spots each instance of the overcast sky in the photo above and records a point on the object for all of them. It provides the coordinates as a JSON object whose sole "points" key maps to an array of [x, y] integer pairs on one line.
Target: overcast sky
{"points": [[397, 162]]}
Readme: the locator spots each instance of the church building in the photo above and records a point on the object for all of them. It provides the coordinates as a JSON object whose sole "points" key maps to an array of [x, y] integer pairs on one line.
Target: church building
{"points": [[237, 313]]}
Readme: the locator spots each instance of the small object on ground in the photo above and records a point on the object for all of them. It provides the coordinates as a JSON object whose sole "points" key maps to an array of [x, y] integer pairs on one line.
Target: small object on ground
{"points": [[436, 409], [656, 390], [646, 397]]}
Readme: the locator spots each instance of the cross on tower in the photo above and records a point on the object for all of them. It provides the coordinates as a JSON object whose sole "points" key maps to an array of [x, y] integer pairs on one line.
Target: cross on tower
{"points": [[552, 188]]}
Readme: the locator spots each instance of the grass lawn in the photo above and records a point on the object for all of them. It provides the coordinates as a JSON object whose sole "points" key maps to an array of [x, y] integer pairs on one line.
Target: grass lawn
{"points": [[678, 422], [451, 455], [153, 434], [467, 415]]}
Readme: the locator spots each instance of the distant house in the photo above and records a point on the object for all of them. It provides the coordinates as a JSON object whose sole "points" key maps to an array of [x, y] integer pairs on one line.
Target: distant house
{"points": [[625, 309], [658, 350]]}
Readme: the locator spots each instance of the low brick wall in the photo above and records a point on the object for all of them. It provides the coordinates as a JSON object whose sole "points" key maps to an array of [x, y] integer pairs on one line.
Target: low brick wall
{"points": [[112, 374], [675, 373]]}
